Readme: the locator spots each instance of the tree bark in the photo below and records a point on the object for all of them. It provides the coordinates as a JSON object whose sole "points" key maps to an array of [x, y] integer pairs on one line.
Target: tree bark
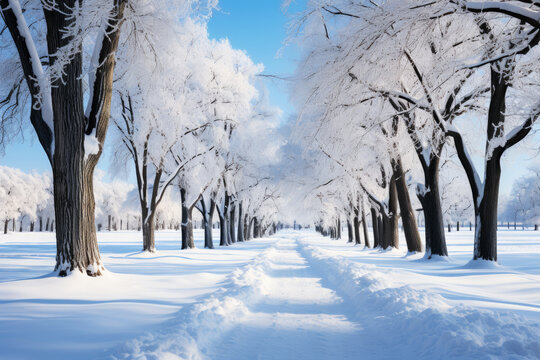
{"points": [[187, 223], [232, 216], [408, 219], [433, 217], [148, 230], [375, 224], [356, 226], [349, 231], [390, 220], [256, 228], [364, 226], [240, 223]]}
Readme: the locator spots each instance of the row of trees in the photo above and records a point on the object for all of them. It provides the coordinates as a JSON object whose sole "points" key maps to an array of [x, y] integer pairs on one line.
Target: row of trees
{"points": [[28, 206], [390, 91], [187, 112]]}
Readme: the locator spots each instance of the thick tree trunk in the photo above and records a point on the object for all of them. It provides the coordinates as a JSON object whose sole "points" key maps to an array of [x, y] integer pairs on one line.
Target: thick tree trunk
{"points": [[485, 242], [433, 217], [408, 219], [338, 235], [6, 222], [32, 226], [41, 223]]}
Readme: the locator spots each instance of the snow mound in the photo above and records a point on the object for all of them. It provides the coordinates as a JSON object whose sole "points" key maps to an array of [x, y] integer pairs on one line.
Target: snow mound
{"points": [[482, 264], [434, 325]]}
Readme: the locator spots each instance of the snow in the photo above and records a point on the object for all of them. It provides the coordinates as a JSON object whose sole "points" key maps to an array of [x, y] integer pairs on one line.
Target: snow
{"points": [[294, 295], [91, 144], [44, 86]]}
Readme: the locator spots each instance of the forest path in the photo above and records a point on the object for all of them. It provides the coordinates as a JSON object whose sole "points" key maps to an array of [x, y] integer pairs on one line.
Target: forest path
{"points": [[297, 316]]}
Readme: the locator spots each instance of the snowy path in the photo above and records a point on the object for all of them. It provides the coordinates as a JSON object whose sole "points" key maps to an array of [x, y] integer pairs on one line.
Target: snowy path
{"points": [[300, 300], [296, 317]]}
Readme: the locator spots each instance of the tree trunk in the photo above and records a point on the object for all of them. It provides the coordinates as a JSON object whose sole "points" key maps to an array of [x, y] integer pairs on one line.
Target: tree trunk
{"points": [[232, 230], [433, 217], [338, 235], [222, 231], [74, 205], [208, 241], [110, 222], [247, 235], [356, 226], [47, 225], [6, 222], [485, 239], [41, 223], [187, 223], [240, 223], [148, 230], [349, 231], [412, 236], [485, 242], [392, 219], [32, 226], [256, 228], [364, 226], [375, 224]]}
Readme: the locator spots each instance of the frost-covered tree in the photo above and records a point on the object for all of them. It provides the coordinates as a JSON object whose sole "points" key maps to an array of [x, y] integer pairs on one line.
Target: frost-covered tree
{"points": [[22, 196], [524, 204]]}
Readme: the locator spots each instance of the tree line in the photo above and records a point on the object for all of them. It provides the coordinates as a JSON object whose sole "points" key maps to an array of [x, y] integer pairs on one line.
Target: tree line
{"points": [[390, 91]]}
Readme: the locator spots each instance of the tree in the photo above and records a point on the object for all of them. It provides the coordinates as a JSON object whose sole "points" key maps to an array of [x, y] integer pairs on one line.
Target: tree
{"points": [[70, 135]]}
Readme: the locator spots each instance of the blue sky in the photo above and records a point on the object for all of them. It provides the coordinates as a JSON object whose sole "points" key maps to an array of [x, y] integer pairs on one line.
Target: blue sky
{"points": [[259, 28]]}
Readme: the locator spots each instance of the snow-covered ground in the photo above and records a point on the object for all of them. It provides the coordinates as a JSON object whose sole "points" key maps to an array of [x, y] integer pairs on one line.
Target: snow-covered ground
{"points": [[295, 295]]}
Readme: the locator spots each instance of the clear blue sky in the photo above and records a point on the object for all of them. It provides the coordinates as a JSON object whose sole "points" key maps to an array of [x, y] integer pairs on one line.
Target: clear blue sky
{"points": [[259, 28]]}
